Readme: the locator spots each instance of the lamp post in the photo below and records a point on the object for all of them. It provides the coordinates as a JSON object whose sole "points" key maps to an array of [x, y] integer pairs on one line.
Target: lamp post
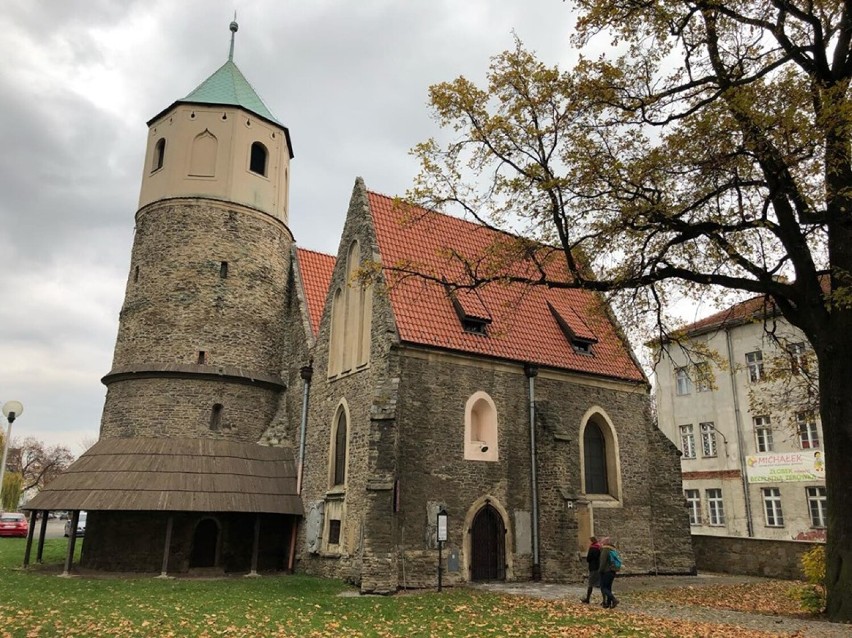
{"points": [[11, 410], [442, 538]]}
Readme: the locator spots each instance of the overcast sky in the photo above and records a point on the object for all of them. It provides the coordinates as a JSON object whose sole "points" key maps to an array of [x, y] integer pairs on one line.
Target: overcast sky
{"points": [[79, 80]]}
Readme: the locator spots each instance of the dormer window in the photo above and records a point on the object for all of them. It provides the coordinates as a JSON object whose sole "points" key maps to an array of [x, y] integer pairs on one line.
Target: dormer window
{"points": [[471, 310], [573, 327], [257, 163]]}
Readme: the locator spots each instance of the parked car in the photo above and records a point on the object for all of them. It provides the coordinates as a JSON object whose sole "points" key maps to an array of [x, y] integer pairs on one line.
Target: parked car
{"points": [[81, 525], [12, 524]]}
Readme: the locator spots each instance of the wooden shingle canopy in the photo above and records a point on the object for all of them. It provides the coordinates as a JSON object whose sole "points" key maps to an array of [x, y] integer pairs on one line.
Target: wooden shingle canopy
{"points": [[176, 475]]}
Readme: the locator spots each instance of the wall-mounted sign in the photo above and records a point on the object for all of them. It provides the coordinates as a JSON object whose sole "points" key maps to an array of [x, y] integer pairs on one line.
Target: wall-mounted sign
{"points": [[785, 467]]}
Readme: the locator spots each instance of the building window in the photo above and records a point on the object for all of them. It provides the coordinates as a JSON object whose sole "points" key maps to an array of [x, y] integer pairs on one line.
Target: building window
{"points": [[703, 377], [136, 274], [808, 433], [687, 441], [216, 417], [159, 155], [708, 439], [203, 155], [754, 362], [600, 471], [202, 358], [334, 532], [798, 358], [339, 456], [594, 451], [817, 505], [223, 270], [257, 163], [693, 505], [715, 506], [772, 506], [763, 433], [351, 319], [480, 427], [683, 384]]}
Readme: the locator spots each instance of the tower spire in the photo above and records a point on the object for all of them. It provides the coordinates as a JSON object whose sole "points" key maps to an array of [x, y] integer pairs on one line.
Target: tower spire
{"points": [[234, 27]]}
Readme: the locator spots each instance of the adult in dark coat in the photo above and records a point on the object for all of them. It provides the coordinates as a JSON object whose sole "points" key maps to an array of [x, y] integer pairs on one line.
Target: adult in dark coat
{"points": [[607, 573], [593, 557]]}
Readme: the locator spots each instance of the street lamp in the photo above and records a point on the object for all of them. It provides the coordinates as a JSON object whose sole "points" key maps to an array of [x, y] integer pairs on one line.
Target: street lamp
{"points": [[11, 410]]}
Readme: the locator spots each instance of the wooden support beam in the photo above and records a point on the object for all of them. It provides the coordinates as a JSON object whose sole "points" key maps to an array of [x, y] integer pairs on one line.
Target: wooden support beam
{"points": [[167, 548], [30, 534]]}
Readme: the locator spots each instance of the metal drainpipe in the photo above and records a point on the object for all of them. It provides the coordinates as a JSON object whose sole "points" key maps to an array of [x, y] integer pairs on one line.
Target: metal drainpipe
{"points": [[307, 373], [740, 438], [531, 371]]}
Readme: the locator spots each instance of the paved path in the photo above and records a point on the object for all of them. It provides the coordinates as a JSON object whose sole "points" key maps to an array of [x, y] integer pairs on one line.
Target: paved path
{"points": [[781, 625]]}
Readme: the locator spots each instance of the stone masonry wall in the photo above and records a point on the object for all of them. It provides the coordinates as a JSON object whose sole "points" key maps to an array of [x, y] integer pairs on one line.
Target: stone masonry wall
{"points": [[751, 556]]}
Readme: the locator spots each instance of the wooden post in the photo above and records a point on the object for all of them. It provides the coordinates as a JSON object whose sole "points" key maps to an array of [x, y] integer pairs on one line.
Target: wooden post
{"points": [[30, 533], [72, 541], [41, 537], [256, 546], [165, 567]]}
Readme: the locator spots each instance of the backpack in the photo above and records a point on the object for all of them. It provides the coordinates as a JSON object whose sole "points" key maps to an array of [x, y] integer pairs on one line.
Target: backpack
{"points": [[615, 560]]}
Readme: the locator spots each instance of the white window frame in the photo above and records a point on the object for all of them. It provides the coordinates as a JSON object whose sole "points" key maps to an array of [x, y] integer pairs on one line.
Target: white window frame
{"points": [[693, 505], [708, 439], [763, 434], [687, 440], [817, 505], [798, 357], [808, 431], [773, 514], [683, 384], [703, 376], [754, 363], [715, 506]]}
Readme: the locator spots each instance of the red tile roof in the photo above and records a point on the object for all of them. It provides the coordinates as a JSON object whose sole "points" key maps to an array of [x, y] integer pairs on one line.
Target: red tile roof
{"points": [[523, 328], [316, 269], [754, 309]]}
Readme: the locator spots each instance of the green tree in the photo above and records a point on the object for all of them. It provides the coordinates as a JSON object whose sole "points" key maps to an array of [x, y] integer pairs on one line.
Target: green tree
{"points": [[707, 150], [13, 487]]}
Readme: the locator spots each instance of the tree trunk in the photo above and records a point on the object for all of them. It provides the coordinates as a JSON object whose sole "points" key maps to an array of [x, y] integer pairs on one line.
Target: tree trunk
{"points": [[835, 376]]}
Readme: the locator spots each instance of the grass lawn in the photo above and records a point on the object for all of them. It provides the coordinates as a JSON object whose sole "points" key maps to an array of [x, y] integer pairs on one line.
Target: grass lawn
{"points": [[38, 603]]}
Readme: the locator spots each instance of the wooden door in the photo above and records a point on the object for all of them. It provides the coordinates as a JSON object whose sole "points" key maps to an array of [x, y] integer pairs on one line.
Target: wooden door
{"points": [[488, 545]]}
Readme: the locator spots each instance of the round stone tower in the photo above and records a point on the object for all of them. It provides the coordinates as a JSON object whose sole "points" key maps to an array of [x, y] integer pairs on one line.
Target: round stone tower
{"points": [[199, 348]]}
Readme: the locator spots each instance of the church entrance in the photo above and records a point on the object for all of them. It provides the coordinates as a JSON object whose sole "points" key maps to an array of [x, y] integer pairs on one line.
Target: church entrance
{"points": [[488, 545], [204, 544]]}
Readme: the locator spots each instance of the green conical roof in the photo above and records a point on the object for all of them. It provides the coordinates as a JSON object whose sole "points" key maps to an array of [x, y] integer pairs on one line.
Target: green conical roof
{"points": [[229, 86]]}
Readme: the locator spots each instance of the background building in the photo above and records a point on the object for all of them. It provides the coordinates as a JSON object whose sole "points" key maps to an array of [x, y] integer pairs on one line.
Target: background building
{"points": [[736, 392]]}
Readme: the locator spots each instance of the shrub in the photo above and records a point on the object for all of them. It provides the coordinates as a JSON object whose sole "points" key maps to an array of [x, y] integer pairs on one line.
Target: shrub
{"points": [[812, 596]]}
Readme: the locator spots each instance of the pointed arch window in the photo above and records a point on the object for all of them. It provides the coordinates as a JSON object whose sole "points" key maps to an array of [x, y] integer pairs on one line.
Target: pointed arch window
{"points": [[258, 159], [202, 159], [159, 154], [594, 449], [339, 455], [351, 319]]}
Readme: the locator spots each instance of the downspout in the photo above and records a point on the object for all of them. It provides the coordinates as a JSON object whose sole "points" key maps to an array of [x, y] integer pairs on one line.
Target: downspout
{"points": [[740, 438], [531, 371], [307, 373]]}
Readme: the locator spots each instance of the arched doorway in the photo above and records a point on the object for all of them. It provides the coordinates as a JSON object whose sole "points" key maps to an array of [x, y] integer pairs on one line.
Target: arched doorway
{"points": [[204, 544], [488, 545]]}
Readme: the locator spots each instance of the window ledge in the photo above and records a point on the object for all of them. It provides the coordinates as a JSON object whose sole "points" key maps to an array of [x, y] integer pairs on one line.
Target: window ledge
{"points": [[602, 500]]}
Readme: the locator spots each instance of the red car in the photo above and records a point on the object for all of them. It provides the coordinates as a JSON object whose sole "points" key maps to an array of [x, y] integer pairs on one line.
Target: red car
{"points": [[13, 525]]}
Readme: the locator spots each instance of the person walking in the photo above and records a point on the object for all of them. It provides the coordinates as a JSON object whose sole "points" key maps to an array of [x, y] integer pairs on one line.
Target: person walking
{"points": [[593, 557], [609, 564]]}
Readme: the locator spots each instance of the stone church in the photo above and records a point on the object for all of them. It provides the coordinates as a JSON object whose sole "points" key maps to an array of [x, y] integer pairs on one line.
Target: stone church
{"points": [[274, 408]]}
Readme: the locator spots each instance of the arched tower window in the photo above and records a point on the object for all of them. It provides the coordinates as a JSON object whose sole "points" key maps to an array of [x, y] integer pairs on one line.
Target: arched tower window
{"points": [[216, 417], [159, 154], [202, 158], [259, 155], [600, 459], [339, 452], [480, 428]]}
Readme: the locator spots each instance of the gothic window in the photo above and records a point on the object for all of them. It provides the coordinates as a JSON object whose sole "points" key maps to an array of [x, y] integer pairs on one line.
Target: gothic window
{"points": [[599, 458], [349, 348], [338, 472], [480, 428], [594, 446], [257, 162], [159, 154], [202, 158]]}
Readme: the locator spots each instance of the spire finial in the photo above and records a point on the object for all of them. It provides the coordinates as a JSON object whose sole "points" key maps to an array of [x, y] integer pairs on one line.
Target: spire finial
{"points": [[234, 27]]}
